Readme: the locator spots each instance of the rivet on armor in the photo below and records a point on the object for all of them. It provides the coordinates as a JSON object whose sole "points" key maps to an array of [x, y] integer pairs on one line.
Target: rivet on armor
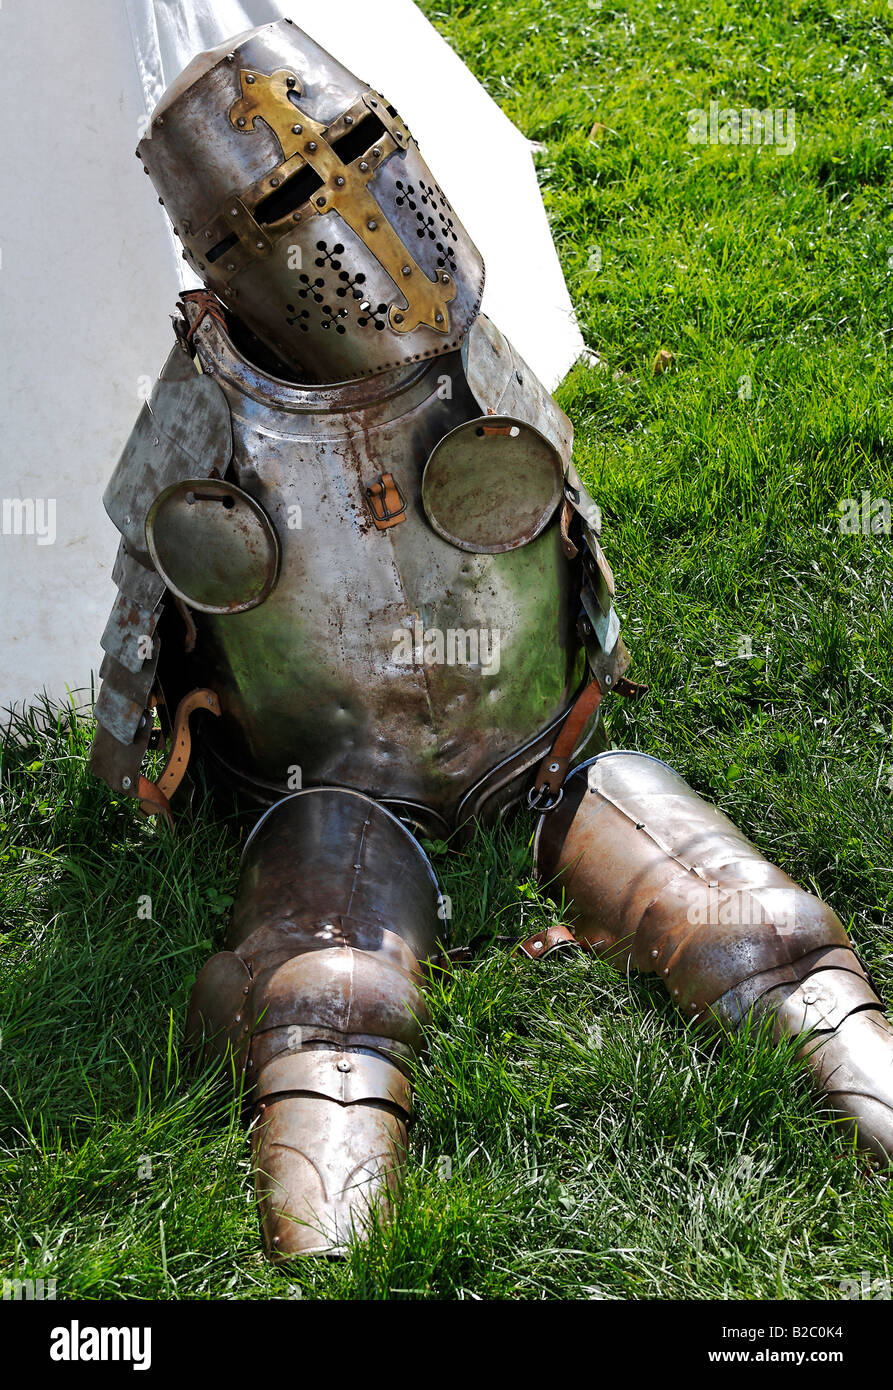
{"points": [[398, 318], [320, 202], [289, 81], [438, 318], [274, 183], [407, 270], [376, 152], [241, 122], [125, 783], [312, 146], [344, 1066], [250, 80], [348, 120], [364, 167], [372, 224], [297, 129]]}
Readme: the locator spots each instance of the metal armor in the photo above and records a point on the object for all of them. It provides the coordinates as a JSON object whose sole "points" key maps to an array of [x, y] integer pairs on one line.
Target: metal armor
{"points": [[356, 553]]}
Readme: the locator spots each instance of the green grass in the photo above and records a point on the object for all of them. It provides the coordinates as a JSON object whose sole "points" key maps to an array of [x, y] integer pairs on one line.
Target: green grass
{"points": [[573, 1139]]}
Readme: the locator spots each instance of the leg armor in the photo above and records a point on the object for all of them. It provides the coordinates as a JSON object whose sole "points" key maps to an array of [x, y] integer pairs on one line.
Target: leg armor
{"points": [[319, 996], [662, 881]]}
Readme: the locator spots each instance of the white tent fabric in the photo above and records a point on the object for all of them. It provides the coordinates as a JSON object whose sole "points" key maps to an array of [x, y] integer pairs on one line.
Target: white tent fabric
{"points": [[90, 269]]}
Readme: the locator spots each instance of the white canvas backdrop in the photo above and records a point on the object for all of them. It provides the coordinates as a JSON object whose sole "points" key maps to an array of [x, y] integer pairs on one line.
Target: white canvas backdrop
{"points": [[89, 270]]}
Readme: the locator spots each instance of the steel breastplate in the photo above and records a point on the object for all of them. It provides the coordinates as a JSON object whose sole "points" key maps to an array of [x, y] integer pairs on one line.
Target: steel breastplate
{"points": [[388, 660]]}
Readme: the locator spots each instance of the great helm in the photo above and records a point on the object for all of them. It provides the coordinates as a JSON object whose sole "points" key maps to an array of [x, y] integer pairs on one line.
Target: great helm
{"points": [[303, 202]]}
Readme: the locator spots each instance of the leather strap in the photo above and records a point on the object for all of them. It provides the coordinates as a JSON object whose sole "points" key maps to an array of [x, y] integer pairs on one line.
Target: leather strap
{"points": [[555, 938], [546, 792], [155, 796], [566, 517]]}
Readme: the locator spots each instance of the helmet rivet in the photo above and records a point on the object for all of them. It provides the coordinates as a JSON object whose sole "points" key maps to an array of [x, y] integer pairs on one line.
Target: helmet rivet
{"points": [[241, 121], [339, 181], [348, 120], [438, 318], [234, 212], [398, 318], [407, 270], [376, 152], [296, 129], [296, 216], [259, 245], [159, 120], [208, 235], [311, 145], [320, 202], [289, 81], [125, 782], [274, 183], [230, 57], [250, 80], [230, 265], [364, 167], [372, 224], [444, 279]]}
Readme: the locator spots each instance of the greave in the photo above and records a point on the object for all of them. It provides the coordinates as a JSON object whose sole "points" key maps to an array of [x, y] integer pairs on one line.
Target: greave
{"points": [[664, 882], [319, 995]]}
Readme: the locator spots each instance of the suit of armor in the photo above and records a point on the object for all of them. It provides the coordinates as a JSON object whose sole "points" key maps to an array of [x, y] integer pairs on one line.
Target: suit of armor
{"points": [[354, 545]]}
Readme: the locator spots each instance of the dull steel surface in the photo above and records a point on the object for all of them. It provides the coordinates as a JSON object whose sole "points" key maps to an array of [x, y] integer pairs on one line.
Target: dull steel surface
{"points": [[352, 532]]}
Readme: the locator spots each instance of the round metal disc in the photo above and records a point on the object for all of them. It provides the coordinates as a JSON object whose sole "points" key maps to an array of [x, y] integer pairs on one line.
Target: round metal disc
{"points": [[213, 545], [492, 485]]}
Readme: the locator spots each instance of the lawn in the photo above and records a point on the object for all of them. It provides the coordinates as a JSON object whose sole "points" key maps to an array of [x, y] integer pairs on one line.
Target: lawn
{"points": [[573, 1138]]}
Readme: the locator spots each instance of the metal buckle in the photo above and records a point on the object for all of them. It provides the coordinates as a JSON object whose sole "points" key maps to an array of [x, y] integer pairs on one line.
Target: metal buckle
{"points": [[383, 514], [536, 803]]}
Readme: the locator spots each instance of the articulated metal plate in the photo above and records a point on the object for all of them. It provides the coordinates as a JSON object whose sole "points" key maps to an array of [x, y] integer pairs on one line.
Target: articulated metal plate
{"points": [[183, 431], [213, 545], [492, 485]]}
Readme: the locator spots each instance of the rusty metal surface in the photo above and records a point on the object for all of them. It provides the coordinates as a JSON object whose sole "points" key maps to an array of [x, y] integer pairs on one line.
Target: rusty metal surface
{"points": [[319, 994], [665, 880], [330, 672], [213, 545], [503, 384], [662, 881], [853, 1068], [492, 484], [322, 1169], [182, 431], [316, 217], [129, 634]]}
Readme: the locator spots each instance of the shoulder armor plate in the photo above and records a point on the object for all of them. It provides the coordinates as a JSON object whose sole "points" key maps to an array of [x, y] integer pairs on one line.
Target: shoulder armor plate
{"points": [[183, 431]]}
